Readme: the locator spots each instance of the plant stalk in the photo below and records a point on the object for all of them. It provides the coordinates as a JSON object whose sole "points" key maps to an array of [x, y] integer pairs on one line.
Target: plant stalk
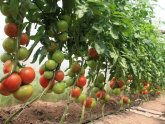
{"points": [[83, 113]]}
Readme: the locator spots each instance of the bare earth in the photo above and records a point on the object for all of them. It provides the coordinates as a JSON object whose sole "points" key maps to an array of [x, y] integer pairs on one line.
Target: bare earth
{"points": [[128, 117], [151, 112]]}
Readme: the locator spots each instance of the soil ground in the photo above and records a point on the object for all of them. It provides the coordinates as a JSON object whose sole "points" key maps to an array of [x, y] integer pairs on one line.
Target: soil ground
{"points": [[128, 117], [50, 113]]}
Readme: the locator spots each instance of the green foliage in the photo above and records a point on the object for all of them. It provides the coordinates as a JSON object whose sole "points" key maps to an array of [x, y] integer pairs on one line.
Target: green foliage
{"points": [[121, 32]]}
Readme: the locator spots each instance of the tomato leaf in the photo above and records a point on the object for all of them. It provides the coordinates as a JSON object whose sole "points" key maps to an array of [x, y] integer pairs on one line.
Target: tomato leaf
{"points": [[114, 34], [43, 54], [14, 8], [100, 48], [35, 56]]}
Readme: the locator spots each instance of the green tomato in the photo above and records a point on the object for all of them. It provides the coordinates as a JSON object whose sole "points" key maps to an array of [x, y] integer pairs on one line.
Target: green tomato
{"points": [[48, 74], [69, 82], [92, 64], [100, 78], [59, 88], [63, 37], [58, 56], [23, 53], [116, 91], [82, 97], [51, 65], [62, 26], [107, 98], [5, 10], [5, 57], [9, 20], [9, 45], [67, 18]]}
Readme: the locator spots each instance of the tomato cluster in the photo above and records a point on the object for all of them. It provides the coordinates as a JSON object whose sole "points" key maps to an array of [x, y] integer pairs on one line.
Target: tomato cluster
{"points": [[19, 79], [18, 83], [49, 73]]}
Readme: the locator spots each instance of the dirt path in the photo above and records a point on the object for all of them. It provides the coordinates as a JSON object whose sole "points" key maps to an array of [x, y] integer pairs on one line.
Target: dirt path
{"points": [[152, 112]]}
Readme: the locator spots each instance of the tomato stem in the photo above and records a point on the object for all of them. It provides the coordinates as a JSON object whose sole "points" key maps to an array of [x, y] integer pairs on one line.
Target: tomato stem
{"points": [[69, 98], [83, 113], [102, 109], [66, 110], [91, 119]]}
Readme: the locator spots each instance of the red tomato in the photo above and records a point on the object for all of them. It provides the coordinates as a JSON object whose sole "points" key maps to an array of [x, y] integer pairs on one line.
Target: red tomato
{"points": [[3, 90], [44, 82], [41, 71], [88, 102], [81, 81], [146, 87], [145, 92], [24, 39], [76, 92], [93, 53], [13, 82], [113, 83], [158, 93], [59, 75], [121, 83], [7, 67], [101, 94], [27, 74], [11, 29]]}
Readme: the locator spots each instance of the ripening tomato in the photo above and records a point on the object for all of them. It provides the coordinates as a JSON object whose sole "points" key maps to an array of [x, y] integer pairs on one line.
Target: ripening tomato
{"points": [[121, 83], [11, 29], [88, 102], [101, 94], [93, 53], [41, 71], [3, 90], [81, 81], [59, 75], [125, 99], [146, 87], [13, 82], [27, 74], [44, 82], [82, 98], [7, 67], [158, 93], [24, 39], [75, 67], [145, 92], [23, 93], [113, 83], [94, 103], [76, 92]]}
